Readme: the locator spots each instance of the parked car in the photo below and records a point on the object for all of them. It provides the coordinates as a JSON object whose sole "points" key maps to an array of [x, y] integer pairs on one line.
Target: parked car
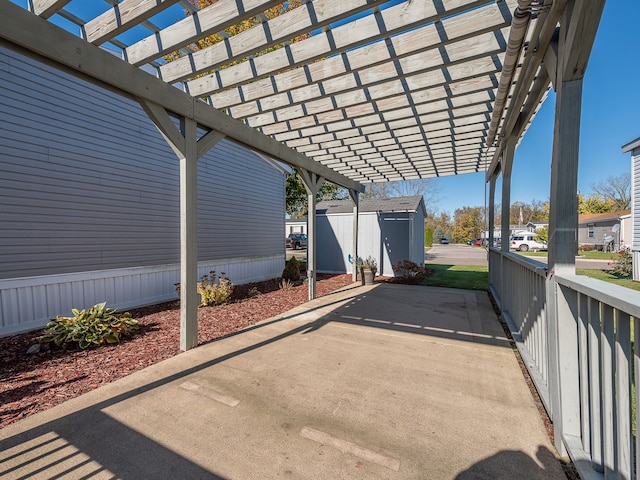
{"points": [[525, 242], [296, 241], [477, 242], [444, 241]]}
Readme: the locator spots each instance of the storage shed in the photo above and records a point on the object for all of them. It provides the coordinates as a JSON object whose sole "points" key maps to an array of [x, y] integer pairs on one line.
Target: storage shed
{"points": [[90, 201], [389, 229]]}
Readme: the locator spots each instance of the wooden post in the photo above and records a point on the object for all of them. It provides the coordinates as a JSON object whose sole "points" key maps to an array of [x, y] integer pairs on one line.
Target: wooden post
{"points": [[506, 167], [312, 183], [356, 205], [188, 148]]}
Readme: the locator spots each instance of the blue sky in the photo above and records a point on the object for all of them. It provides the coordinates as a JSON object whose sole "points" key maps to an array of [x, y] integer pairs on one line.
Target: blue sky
{"points": [[610, 119]]}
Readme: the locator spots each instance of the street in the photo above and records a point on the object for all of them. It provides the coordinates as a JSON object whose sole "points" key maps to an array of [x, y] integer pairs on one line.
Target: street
{"points": [[460, 254]]}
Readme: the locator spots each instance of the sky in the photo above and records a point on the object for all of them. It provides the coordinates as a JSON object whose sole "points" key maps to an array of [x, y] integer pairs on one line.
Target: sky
{"points": [[610, 119], [610, 112]]}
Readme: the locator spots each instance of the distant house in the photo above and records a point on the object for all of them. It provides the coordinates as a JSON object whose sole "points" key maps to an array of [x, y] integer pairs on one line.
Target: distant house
{"points": [[597, 230], [389, 229], [535, 226], [295, 225], [634, 238]]}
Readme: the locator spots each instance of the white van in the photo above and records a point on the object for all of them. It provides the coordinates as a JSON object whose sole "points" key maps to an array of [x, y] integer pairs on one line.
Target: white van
{"points": [[525, 241]]}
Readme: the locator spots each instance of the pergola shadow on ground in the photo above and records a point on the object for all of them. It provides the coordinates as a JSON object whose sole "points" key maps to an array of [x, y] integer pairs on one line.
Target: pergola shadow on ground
{"points": [[384, 381]]}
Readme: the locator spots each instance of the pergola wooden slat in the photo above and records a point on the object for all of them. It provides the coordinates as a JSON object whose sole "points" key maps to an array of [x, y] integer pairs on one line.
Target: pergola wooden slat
{"points": [[121, 17], [266, 34]]}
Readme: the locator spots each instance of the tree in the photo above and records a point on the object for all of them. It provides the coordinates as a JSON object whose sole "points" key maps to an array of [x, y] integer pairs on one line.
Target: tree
{"points": [[438, 234], [468, 223], [376, 190], [297, 200], [594, 204], [438, 225], [616, 190], [543, 233], [296, 197], [536, 211]]}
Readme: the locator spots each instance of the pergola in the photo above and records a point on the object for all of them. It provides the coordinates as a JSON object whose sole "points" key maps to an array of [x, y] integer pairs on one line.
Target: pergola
{"points": [[362, 91], [358, 91]]}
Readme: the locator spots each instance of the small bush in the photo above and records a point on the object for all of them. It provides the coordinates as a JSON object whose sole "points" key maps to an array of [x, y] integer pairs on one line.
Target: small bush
{"points": [[87, 328], [214, 292], [291, 270], [254, 292], [409, 272], [286, 285], [623, 264]]}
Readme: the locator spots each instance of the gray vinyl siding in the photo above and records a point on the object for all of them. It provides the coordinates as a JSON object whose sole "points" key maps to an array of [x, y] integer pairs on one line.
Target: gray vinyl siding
{"points": [[88, 183], [388, 237], [417, 253], [334, 242]]}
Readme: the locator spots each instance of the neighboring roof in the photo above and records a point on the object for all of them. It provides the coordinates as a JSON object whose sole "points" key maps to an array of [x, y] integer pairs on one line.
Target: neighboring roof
{"points": [[296, 220], [384, 205], [631, 145], [592, 217]]}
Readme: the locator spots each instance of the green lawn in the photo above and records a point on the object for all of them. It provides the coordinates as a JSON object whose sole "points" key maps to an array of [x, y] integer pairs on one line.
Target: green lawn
{"points": [[608, 277], [586, 255], [458, 276]]}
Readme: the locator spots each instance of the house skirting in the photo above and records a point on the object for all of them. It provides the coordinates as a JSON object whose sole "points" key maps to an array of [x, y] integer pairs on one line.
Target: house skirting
{"points": [[29, 303]]}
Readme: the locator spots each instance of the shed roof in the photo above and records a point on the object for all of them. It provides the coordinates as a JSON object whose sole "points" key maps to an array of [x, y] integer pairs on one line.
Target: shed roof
{"points": [[368, 205]]}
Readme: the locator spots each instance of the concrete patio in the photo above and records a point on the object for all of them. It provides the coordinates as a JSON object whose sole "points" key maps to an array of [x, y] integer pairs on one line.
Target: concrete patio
{"points": [[382, 382]]}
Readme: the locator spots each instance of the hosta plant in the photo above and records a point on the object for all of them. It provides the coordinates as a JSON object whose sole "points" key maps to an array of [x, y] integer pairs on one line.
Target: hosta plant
{"points": [[86, 328]]}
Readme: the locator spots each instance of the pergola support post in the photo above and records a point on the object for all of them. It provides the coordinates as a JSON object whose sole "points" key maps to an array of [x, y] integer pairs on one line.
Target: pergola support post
{"points": [[506, 165], [563, 218], [492, 210], [188, 148], [312, 183], [355, 198]]}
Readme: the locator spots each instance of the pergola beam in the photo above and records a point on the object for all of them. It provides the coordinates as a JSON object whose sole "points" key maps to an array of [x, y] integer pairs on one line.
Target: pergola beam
{"points": [[91, 62], [46, 8]]}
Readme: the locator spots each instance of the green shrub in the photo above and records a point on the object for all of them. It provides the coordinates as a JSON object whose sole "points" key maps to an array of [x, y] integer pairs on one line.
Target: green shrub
{"points": [[254, 292], [291, 270], [623, 264], [214, 292], [95, 326]]}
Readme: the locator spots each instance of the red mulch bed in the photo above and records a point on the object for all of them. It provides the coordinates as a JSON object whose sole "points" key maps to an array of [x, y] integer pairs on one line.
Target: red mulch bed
{"points": [[36, 382]]}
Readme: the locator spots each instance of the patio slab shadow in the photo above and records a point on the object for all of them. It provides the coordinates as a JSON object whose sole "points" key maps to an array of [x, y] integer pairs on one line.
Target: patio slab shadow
{"points": [[375, 382]]}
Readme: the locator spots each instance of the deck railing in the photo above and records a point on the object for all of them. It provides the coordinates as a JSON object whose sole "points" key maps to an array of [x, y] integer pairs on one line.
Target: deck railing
{"points": [[579, 339], [518, 284]]}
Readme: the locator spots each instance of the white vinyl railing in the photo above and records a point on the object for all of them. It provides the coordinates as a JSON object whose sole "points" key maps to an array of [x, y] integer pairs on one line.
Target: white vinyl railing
{"points": [[518, 284], [579, 338]]}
